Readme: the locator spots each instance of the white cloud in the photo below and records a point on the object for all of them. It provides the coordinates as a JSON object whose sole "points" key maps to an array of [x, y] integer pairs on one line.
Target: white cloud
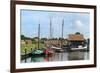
{"points": [[78, 24]]}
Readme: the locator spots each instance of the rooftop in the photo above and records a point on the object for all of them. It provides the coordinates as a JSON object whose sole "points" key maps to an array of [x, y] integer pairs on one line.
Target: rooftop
{"points": [[76, 37]]}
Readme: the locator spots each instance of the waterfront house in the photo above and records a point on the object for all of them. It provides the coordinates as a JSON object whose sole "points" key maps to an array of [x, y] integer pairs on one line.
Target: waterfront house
{"points": [[55, 42], [28, 41], [36, 39], [52, 42], [76, 40], [22, 42]]}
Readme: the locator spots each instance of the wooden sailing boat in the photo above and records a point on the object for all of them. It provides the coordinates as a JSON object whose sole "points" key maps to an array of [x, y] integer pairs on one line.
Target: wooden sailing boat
{"points": [[59, 49], [49, 50], [38, 51]]}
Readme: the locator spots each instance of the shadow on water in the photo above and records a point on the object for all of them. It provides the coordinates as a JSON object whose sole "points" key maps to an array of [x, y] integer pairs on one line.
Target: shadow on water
{"points": [[62, 56], [76, 56]]}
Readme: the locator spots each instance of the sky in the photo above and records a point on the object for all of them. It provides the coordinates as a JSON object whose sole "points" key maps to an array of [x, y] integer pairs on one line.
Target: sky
{"points": [[73, 22]]}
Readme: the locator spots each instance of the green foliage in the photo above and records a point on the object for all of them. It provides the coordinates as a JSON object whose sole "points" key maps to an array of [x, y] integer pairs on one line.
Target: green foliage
{"points": [[29, 46], [44, 39], [25, 38], [77, 33]]}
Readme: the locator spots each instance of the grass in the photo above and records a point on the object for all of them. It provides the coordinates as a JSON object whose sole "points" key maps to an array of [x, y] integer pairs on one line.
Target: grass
{"points": [[29, 46]]}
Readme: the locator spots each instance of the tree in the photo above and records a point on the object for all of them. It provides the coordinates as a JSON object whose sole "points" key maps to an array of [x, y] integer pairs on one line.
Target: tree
{"points": [[35, 38], [22, 37], [88, 41], [77, 33], [25, 38], [33, 41], [44, 39], [61, 38]]}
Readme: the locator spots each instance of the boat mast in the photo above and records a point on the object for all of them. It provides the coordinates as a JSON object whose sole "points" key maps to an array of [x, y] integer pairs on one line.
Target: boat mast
{"points": [[38, 35], [50, 31], [62, 33]]}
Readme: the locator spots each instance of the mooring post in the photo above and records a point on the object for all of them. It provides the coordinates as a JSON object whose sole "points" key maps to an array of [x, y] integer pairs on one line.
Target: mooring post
{"points": [[25, 54], [31, 54]]}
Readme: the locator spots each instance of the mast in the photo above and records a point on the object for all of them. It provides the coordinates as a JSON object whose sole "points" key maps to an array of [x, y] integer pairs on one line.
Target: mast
{"points": [[62, 32], [50, 29], [38, 35]]}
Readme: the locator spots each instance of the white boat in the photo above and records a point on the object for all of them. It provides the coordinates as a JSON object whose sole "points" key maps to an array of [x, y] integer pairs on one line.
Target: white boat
{"points": [[79, 48], [57, 49]]}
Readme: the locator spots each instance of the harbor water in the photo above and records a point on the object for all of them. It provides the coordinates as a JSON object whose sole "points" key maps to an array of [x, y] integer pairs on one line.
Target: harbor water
{"points": [[61, 56]]}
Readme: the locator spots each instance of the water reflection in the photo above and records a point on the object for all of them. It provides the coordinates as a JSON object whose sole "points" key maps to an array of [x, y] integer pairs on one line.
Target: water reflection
{"points": [[76, 56], [64, 56]]}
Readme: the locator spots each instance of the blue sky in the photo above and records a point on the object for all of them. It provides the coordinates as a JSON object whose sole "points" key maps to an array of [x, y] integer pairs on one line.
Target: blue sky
{"points": [[73, 22]]}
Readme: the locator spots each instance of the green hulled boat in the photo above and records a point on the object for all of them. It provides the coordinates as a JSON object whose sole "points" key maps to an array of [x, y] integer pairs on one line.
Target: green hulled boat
{"points": [[37, 52]]}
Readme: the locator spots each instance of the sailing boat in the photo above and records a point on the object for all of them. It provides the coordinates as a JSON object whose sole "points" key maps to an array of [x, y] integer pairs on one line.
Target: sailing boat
{"points": [[49, 50], [38, 51], [59, 49]]}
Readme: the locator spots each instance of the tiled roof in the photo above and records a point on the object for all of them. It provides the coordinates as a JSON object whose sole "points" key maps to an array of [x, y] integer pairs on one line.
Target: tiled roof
{"points": [[76, 37]]}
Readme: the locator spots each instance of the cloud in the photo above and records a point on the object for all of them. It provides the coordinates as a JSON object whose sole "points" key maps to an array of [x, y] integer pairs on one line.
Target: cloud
{"points": [[78, 24]]}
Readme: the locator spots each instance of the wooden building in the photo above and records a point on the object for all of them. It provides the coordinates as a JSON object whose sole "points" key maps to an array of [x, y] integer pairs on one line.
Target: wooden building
{"points": [[23, 42], [55, 42], [76, 40], [28, 41]]}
